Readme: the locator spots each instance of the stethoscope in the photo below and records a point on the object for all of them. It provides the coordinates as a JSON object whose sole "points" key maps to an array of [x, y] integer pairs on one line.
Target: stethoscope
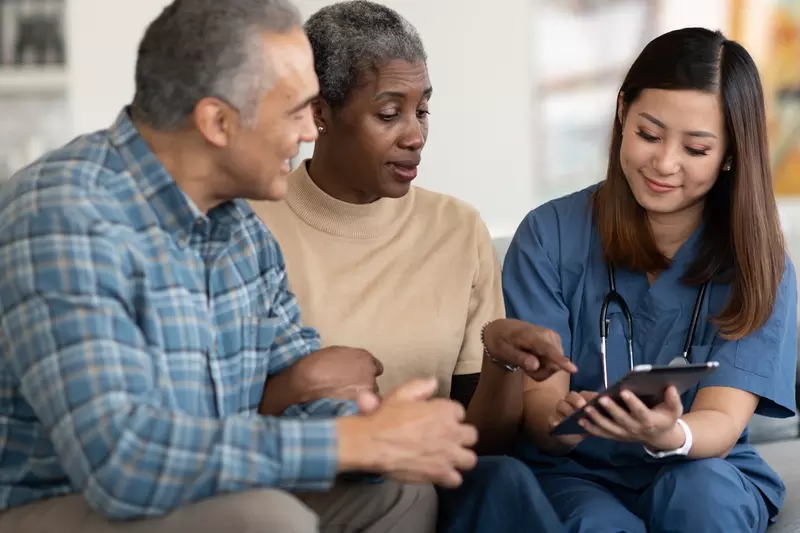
{"points": [[614, 296]]}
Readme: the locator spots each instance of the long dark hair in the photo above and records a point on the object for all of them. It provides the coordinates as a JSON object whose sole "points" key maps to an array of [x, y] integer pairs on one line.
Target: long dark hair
{"points": [[742, 240]]}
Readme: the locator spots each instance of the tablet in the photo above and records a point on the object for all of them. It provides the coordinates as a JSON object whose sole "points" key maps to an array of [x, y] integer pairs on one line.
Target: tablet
{"points": [[648, 383]]}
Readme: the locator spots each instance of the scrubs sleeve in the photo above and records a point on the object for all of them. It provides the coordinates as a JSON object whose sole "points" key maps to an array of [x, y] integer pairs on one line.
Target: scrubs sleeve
{"points": [[765, 362], [531, 277]]}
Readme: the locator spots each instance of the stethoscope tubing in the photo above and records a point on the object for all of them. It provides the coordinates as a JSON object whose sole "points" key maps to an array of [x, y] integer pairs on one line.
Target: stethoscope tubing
{"points": [[614, 296]]}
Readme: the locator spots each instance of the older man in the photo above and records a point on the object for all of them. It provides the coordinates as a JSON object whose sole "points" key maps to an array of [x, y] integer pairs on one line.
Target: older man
{"points": [[155, 374]]}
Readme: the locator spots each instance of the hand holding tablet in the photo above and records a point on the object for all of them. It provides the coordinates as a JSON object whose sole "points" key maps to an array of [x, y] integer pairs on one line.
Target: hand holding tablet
{"points": [[648, 383]]}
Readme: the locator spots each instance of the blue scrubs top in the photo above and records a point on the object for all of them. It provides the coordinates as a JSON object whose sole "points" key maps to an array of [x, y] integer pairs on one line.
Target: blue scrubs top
{"points": [[554, 276]]}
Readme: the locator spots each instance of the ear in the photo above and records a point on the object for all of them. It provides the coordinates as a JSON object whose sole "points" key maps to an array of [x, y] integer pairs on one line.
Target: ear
{"points": [[216, 121], [621, 111], [322, 114], [727, 164]]}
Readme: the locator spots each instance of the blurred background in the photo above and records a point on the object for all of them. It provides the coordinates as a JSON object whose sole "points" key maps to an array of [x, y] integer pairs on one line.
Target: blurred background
{"points": [[524, 89]]}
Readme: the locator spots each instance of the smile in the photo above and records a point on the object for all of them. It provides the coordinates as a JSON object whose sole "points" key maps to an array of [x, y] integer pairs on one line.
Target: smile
{"points": [[658, 186]]}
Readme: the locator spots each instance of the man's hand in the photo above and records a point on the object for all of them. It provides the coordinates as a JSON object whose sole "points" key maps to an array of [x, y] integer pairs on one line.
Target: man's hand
{"points": [[408, 437], [536, 350], [335, 372]]}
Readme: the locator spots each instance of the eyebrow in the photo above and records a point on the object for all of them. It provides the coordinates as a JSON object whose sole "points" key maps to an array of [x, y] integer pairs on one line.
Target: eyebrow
{"points": [[302, 105], [396, 94], [660, 124]]}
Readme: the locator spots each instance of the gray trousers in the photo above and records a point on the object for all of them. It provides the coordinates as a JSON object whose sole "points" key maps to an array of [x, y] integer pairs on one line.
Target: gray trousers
{"points": [[389, 507]]}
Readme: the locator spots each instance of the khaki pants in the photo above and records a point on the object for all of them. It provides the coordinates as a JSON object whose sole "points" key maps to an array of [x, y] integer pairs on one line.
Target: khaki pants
{"points": [[388, 507]]}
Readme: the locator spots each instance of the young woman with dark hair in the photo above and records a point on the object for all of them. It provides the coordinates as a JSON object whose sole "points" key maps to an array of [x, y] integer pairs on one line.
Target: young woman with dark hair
{"points": [[685, 224]]}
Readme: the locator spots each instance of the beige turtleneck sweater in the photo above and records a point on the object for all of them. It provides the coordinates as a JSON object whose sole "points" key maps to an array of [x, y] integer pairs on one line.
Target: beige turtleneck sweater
{"points": [[412, 279]]}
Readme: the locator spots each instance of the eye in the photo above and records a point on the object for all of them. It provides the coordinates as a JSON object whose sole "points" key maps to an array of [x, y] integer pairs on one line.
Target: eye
{"points": [[696, 152], [388, 117], [422, 113], [646, 136]]}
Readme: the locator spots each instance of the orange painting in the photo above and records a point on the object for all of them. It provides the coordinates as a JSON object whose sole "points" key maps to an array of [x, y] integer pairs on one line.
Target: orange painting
{"points": [[779, 65]]}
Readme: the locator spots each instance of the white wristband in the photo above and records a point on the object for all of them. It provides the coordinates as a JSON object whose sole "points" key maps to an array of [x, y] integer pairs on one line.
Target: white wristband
{"points": [[683, 450]]}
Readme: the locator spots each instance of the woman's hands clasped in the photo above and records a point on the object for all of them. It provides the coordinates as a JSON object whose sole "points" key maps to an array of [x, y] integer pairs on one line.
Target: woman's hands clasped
{"points": [[631, 421]]}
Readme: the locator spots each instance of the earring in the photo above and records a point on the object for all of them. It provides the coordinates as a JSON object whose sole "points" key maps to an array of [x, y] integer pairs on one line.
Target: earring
{"points": [[321, 129], [727, 167]]}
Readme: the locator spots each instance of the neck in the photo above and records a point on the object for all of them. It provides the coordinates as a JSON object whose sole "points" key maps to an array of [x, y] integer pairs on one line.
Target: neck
{"points": [[671, 230], [332, 178], [182, 155]]}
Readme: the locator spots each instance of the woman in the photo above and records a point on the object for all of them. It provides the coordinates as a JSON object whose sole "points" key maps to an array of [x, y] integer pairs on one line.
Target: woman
{"points": [[687, 203], [408, 274]]}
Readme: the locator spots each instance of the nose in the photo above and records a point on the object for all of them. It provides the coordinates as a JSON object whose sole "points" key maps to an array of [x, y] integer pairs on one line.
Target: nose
{"points": [[666, 160], [413, 137]]}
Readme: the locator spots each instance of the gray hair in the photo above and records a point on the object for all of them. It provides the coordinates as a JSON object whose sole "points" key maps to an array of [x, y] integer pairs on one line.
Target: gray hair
{"points": [[350, 38], [201, 48]]}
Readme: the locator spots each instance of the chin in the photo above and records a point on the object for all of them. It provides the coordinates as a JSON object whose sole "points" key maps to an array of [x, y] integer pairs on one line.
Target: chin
{"points": [[273, 189], [396, 190]]}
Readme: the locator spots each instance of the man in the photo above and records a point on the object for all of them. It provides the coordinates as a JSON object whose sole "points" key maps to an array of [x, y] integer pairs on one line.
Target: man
{"points": [[155, 374]]}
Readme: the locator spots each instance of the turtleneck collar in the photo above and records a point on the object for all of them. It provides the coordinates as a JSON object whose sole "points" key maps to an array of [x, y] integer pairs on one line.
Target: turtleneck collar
{"points": [[355, 221]]}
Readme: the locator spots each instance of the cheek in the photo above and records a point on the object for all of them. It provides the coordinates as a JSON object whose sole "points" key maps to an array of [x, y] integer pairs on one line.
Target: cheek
{"points": [[374, 141], [632, 156], [700, 176]]}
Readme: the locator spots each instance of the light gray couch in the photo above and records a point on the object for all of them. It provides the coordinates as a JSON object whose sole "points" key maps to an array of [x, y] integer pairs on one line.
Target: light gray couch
{"points": [[778, 442], [784, 456]]}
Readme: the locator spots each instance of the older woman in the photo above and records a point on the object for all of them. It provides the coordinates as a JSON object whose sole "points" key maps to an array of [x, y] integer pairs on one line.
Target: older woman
{"points": [[408, 274]]}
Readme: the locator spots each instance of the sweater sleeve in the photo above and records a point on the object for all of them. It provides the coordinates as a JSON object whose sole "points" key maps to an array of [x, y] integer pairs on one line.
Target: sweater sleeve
{"points": [[485, 304]]}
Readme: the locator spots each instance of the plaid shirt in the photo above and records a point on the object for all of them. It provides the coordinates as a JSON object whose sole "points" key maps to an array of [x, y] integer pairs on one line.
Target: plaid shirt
{"points": [[136, 335]]}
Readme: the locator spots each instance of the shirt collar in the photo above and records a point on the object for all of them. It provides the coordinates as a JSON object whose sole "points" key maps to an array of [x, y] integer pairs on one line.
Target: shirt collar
{"points": [[176, 212]]}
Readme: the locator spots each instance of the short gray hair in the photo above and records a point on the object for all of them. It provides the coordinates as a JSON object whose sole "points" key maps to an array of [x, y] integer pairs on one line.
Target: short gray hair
{"points": [[201, 48], [350, 38]]}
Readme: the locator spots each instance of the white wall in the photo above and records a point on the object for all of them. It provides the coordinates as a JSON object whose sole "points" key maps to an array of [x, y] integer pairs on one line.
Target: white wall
{"points": [[480, 123], [481, 65], [102, 38]]}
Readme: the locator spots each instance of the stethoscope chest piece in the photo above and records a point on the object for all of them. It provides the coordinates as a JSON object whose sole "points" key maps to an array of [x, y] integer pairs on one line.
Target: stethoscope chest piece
{"points": [[679, 361]]}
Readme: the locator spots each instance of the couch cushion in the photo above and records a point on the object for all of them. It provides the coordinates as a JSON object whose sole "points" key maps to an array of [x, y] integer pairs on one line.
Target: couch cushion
{"points": [[763, 429], [784, 457]]}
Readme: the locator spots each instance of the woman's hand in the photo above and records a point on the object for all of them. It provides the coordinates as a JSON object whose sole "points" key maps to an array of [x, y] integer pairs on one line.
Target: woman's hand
{"points": [[564, 408], [338, 372], [654, 428], [536, 350]]}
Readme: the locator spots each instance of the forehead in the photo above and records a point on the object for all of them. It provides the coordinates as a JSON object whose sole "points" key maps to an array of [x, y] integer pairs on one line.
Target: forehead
{"points": [[397, 75], [291, 67], [682, 109]]}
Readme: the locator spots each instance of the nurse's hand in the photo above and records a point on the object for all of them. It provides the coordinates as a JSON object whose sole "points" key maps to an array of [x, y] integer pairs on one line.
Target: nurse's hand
{"points": [[636, 422], [536, 350], [564, 408]]}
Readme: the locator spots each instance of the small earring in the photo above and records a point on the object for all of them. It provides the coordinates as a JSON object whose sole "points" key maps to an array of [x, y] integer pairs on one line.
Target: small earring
{"points": [[727, 167], [321, 129]]}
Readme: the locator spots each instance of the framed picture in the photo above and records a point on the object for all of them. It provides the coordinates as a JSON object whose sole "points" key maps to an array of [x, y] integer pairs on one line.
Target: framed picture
{"points": [[770, 30]]}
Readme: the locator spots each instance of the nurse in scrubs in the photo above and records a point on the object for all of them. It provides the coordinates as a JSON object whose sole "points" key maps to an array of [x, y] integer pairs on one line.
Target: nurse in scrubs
{"points": [[687, 203]]}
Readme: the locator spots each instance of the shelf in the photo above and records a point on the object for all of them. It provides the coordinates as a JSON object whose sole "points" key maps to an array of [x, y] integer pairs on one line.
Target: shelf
{"points": [[32, 79]]}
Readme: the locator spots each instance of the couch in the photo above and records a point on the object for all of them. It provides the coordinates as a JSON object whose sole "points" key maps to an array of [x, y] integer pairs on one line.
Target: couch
{"points": [[778, 441]]}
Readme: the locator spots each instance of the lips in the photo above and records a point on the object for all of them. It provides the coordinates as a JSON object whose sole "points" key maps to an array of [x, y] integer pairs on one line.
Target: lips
{"points": [[658, 186], [661, 184], [404, 171], [406, 163]]}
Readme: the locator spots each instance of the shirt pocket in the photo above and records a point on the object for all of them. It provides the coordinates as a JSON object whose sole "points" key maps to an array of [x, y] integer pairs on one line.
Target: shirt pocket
{"points": [[757, 354]]}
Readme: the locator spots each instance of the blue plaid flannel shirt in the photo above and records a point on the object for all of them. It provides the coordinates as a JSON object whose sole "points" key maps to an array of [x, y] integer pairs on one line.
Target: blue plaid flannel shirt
{"points": [[136, 335]]}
